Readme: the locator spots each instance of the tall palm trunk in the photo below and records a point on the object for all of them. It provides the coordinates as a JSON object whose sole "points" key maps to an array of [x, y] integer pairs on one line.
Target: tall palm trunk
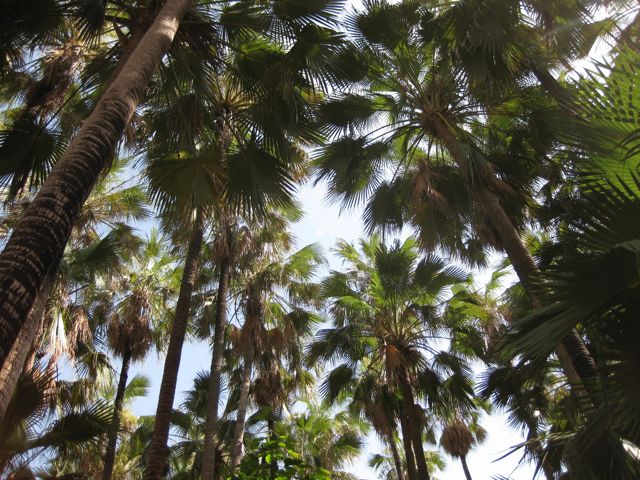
{"points": [[25, 343], [213, 397], [41, 233], [405, 425], [158, 449], [243, 403], [414, 424], [465, 467], [110, 454], [575, 359], [397, 462]]}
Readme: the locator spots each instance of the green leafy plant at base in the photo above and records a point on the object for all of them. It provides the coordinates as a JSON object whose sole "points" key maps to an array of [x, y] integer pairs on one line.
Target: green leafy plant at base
{"points": [[258, 464]]}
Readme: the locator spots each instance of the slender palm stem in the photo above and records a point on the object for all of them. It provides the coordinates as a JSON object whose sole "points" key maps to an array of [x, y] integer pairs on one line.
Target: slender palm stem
{"points": [[110, 454], [407, 444], [414, 422], [465, 467], [213, 397], [158, 449], [396, 455], [243, 403]]}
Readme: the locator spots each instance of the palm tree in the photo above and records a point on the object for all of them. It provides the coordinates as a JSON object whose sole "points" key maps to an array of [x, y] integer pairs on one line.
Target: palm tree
{"points": [[384, 309], [587, 278], [262, 104], [457, 440], [324, 439], [228, 245], [387, 469], [42, 231], [232, 165], [268, 272], [141, 291], [90, 253], [45, 416], [430, 109], [157, 451]]}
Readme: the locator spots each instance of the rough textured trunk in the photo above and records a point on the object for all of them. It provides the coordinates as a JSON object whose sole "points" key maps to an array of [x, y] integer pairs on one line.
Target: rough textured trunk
{"points": [[397, 462], [465, 467], [24, 345], [41, 233], [157, 453], [243, 403], [110, 454], [574, 357], [213, 397], [409, 406], [405, 425]]}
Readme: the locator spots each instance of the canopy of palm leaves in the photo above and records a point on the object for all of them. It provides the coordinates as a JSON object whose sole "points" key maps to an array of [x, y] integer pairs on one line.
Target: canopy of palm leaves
{"points": [[417, 114]]}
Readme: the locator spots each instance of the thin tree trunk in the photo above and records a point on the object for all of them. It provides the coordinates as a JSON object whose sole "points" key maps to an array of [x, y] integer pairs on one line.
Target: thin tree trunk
{"points": [[25, 343], [418, 448], [41, 233], [213, 397], [243, 403], [407, 444], [575, 359], [396, 455], [465, 467], [273, 466], [110, 454], [413, 424], [157, 453]]}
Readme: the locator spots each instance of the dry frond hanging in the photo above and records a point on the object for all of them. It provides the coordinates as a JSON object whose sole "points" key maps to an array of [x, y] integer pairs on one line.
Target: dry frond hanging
{"points": [[47, 95], [456, 439], [393, 357], [80, 330], [268, 389]]}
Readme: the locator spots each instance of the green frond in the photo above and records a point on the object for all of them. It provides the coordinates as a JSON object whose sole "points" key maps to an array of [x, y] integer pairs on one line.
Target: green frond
{"points": [[336, 382], [352, 168]]}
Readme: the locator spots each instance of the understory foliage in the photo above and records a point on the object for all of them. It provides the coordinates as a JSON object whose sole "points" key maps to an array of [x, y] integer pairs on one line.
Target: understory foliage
{"points": [[477, 139]]}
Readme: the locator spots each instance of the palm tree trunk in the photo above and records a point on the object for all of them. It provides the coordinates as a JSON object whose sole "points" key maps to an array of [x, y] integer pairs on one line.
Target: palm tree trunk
{"points": [[25, 343], [421, 459], [213, 397], [413, 424], [110, 454], [273, 466], [465, 467], [396, 455], [574, 357], [576, 361], [243, 403], [41, 233], [407, 444], [157, 453]]}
